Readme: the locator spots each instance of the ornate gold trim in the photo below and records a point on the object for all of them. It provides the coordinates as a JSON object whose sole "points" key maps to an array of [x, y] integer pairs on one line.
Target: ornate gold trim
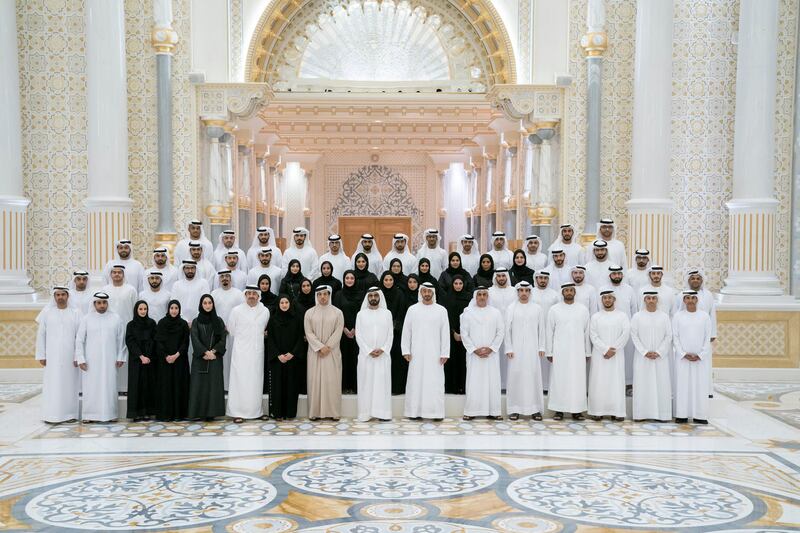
{"points": [[594, 44], [790, 322], [164, 40]]}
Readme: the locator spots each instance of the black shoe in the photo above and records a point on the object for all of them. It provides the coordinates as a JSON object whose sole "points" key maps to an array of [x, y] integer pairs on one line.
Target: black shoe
{"points": [[578, 416], [619, 419], [513, 416], [438, 419], [558, 416], [595, 418], [681, 420], [537, 416], [699, 421], [494, 417], [467, 418]]}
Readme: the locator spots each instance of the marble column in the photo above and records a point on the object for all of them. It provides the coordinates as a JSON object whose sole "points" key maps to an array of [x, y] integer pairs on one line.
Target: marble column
{"points": [[218, 195], [594, 44], [545, 210], [14, 281], [751, 243], [650, 206], [108, 206], [490, 205], [164, 40], [509, 216]]}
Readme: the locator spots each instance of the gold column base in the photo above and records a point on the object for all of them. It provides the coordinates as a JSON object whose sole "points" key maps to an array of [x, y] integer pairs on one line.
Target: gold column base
{"points": [[219, 214], [168, 241], [588, 238], [542, 214]]}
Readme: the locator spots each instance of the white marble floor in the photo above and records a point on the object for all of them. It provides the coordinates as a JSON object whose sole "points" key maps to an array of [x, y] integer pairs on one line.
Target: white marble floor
{"points": [[740, 473]]}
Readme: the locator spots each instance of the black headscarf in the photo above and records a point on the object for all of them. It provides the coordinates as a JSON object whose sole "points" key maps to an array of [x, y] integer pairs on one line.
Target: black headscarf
{"points": [[140, 321], [331, 281], [393, 297], [402, 276], [427, 277], [359, 272], [449, 274], [141, 326], [268, 299], [283, 317], [306, 301], [170, 327], [348, 301], [294, 277], [210, 317], [456, 302], [520, 272], [484, 276], [412, 296]]}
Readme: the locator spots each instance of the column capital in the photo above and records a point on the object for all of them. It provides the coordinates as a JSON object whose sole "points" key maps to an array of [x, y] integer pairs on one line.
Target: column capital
{"points": [[163, 40], [595, 44]]}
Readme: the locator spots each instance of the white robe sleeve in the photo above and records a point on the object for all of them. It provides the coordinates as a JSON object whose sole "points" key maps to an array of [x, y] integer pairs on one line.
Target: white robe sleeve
{"points": [[405, 341], [499, 332], [705, 351], [666, 341], [551, 328], [509, 346], [587, 341], [542, 335], [624, 334], [637, 341], [466, 334], [80, 342], [388, 336], [676, 338], [121, 348], [444, 333], [41, 336], [594, 335], [361, 332]]}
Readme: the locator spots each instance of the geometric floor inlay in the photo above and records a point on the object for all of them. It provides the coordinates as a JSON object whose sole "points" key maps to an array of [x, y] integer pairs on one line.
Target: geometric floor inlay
{"points": [[18, 392], [780, 400]]}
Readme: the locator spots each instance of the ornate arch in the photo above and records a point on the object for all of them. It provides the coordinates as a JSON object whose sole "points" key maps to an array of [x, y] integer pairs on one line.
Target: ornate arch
{"points": [[476, 21]]}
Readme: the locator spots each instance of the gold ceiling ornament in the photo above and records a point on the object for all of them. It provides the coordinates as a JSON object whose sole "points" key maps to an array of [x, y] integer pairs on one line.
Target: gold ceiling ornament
{"points": [[282, 35]]}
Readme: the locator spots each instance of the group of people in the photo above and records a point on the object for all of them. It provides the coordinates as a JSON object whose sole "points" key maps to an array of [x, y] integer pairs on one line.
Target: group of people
{"points": [[568, 323]]}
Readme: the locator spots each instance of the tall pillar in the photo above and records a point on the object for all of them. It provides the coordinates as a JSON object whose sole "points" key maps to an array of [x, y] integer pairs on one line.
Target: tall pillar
{"points": [[545, 211], [650, 206], [751, 258], [108, 206], [594, 44], [509, 217], [218, 194], [164, 40], [14, 281]]}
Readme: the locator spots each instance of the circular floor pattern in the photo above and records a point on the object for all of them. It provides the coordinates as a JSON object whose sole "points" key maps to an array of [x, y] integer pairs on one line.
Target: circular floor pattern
{"points": [[631, 498], [263, 525], [398, 526], [526, 524], [394, 510], [151, 499], [396, 475]]}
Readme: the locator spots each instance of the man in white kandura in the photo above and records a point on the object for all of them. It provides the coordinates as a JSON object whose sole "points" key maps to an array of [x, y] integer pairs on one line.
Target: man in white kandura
{"points": [[263, 265], [597, 264], [55, 350], [336, 257], [188, 290], [609, 330], [560, 271], [226, 298], [525, 345], [585, 293], [426, 347], [695, 279], [195, 233], [205, 268], [123, 255], [566, 243], [300, 248], [374, 335], [121, 299], [501, 296], [666, 294], [638, 275], [482, 332], [691, 339], [264, 238], [400, 251], [247, 324], [228, 242], [100, 352], [546, 298], [470, 256], [535, 258], [238, 276], [651, 332], [161, 263], [432, 250], [501, 255], [80, 297], [606, 231], [368, 247], [568, 348], [156, 296]]}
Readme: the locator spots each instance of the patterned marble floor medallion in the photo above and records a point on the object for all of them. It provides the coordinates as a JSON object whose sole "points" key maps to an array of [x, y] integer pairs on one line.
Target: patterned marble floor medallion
{"points": [[630, 498], [18, 392], [150, 499], [263, 525], [391, 474], [526, 524], [778, 400], [398, 526]]}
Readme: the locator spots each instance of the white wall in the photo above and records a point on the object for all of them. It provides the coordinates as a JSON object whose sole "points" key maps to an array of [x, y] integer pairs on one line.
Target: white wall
{"points": [[550, 40], [456, 200], [210, 39]]}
